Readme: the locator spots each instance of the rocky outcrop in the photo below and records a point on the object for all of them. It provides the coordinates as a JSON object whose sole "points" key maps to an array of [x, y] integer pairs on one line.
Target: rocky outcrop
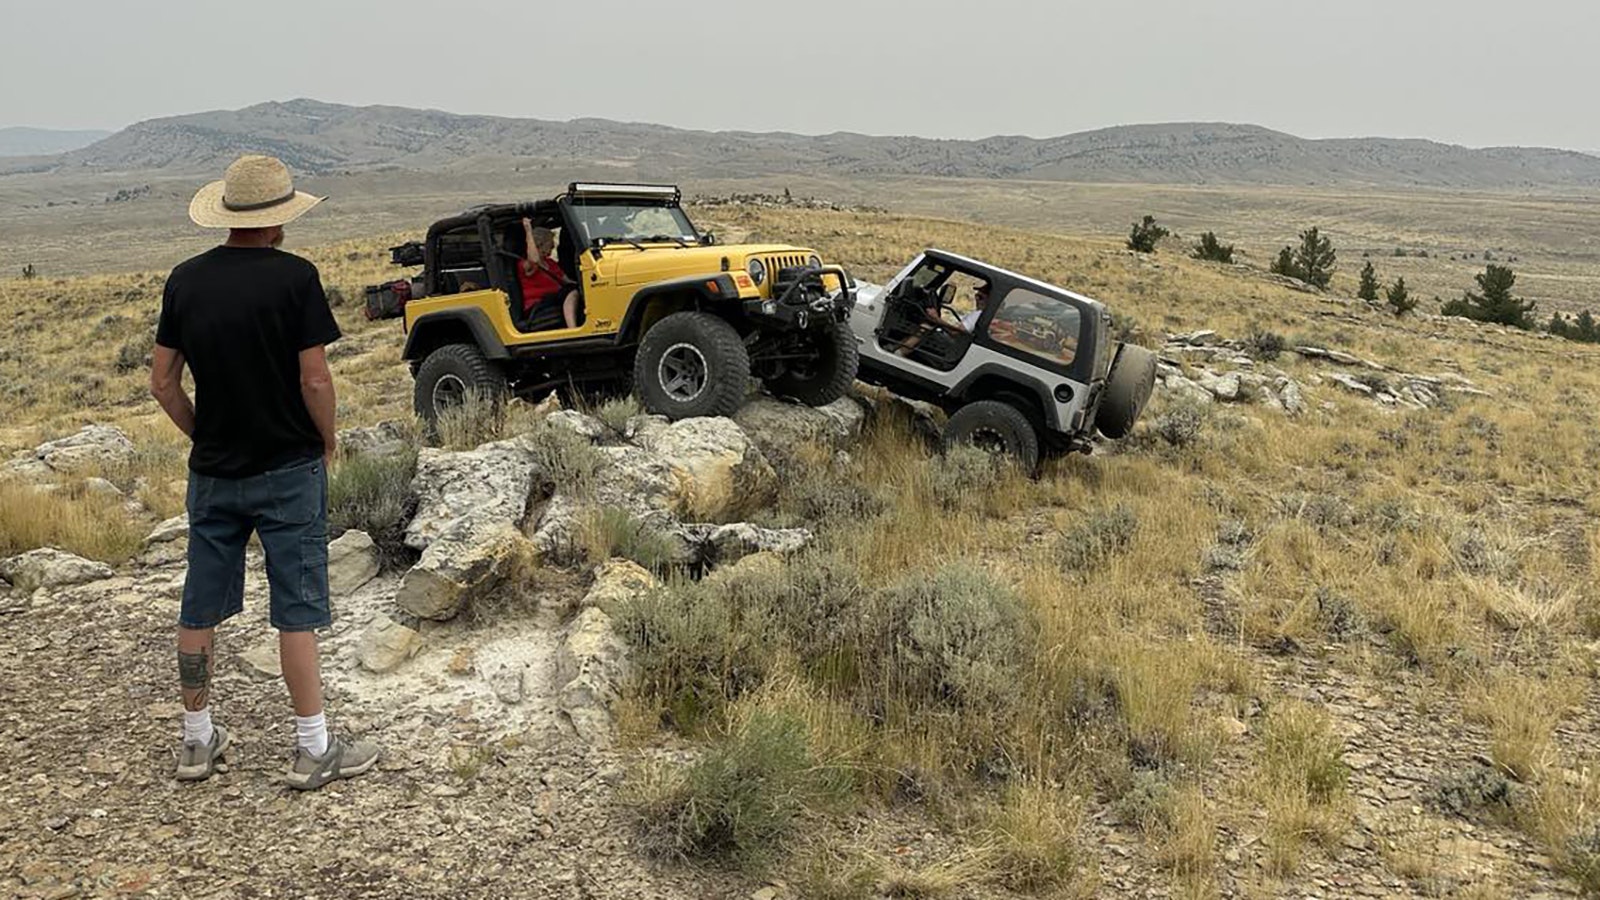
{"points": [[779, 428], [50, 568], [167, 543], [386, 645], [1203, 367], [468, 561], [716, 545], [591, 667], [352, 562], [491, 482], [721, 474], [94, 448], [615, 581], [390, 438]]}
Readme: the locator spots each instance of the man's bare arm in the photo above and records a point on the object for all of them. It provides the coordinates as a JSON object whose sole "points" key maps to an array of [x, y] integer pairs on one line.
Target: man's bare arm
{"points": [[166, 385], [316, 387]]}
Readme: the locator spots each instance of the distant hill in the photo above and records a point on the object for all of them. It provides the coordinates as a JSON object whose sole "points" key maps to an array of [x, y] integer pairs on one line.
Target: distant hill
{"points": [[322, 138], [17, 141]]}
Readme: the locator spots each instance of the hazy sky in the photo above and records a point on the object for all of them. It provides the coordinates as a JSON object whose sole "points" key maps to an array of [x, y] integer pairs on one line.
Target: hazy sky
{"points": [[1467, 71]]}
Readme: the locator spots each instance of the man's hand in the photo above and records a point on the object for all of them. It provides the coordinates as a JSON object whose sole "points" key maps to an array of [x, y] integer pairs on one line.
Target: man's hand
{"points": [[329, 451]]}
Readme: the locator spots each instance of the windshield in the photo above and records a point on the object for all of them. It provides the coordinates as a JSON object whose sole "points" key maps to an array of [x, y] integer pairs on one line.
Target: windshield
{"points": [[635, 220]]}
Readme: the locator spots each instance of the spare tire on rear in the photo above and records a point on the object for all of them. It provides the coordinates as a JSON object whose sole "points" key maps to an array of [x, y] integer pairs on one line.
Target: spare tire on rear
{"points": [[1133, 376]]}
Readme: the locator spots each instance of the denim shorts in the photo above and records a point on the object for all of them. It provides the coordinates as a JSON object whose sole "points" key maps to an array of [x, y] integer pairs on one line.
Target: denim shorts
{"points": [[288, 508]]}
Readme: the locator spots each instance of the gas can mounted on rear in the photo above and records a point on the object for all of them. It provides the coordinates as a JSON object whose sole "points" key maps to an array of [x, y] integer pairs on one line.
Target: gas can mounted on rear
{"points": [[388, 301]]}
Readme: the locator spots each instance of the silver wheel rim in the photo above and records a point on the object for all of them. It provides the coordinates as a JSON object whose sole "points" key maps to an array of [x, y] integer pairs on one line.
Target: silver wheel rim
{"points": [[448, 391], [682, 372]]}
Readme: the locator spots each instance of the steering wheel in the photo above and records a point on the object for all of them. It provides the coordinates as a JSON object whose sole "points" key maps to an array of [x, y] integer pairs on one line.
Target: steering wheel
{"points": [[946, 301]]}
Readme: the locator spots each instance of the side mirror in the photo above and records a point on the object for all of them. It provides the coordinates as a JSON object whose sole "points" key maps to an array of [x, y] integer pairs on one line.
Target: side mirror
{"points": [[709, 239]]}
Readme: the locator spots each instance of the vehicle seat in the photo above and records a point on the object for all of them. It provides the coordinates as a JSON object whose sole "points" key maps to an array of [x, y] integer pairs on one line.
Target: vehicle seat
{"points": [[458, 280]]}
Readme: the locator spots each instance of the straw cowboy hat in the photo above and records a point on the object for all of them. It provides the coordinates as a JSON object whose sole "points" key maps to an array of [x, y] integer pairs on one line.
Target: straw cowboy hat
{"points": [[255, 192]]}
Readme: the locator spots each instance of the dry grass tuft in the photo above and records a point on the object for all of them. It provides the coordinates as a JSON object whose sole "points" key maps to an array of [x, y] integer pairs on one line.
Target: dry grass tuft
{"points": [[1301, 783], [1521, 713], [1033, 837], [67, 519]]}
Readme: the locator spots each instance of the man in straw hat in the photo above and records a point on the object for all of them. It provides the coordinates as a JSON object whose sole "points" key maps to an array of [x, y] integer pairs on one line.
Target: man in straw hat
{"points": [[252, 324]]}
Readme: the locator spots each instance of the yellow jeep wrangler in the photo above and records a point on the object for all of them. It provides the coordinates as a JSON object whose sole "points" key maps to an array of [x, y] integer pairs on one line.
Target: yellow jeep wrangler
{"points": [[663, 309]]}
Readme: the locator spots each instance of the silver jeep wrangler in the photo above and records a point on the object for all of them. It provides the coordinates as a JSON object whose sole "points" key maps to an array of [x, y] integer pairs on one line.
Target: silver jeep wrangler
{"points": [[1021, 367]]}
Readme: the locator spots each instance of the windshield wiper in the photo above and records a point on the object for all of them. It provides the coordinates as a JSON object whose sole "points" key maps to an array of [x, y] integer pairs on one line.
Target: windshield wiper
{"points": [[606, 241], [668, 237]]}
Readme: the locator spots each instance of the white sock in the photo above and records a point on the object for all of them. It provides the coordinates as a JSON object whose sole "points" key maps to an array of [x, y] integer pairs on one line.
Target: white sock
{"points": [[197, 726], [311, 733]]}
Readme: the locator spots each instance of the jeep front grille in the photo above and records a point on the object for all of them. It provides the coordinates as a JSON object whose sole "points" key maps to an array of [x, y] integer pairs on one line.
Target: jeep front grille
{"points": [[777, 263]]}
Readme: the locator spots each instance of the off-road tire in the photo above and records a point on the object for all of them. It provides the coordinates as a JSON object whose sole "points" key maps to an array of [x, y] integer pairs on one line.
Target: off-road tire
{"points": [[830, 375], [692, 338], [1133, 376], [997, 426], [455, 369]]}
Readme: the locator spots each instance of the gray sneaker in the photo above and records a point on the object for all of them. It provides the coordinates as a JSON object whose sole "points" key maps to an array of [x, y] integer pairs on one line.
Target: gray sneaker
{"points": [[197, 761], [345, 759]]}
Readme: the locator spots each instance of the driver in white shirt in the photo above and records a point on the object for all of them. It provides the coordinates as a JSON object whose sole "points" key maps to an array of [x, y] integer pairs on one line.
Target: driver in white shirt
{"points": [[968, 322]]}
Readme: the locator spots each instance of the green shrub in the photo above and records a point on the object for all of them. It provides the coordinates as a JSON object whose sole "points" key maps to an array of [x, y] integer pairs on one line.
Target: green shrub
{"points": [[135, 354], [1212, 249], [567, 461], [813, 603], [1181, 424], [609, 532], [1579, 858], [1145, 235], [737, 803], [1100, 535], [616, 412], [963, 474], [373, 494], [474, 422], [1468, 790], [1265, 345], [694, 648], [954, 639]]}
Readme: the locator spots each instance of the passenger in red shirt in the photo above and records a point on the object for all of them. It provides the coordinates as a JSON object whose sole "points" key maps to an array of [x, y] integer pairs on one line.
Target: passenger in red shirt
{"points": [[542, 279]]}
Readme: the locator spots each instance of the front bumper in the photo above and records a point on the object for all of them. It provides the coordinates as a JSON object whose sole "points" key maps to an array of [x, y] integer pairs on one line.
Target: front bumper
{"points": [[807, 298]]}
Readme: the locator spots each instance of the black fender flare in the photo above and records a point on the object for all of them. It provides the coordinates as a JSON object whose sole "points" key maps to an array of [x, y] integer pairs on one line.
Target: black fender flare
{"points": [[1024, 383], [475, 321], [693, 285]]}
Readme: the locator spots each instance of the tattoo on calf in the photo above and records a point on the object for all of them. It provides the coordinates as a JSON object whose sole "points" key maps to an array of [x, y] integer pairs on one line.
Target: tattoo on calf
{"points": [[194, 674]]}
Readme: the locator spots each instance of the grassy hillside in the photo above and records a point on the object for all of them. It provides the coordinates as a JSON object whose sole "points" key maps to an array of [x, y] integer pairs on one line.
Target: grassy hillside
{"points": [[1253, 655]]}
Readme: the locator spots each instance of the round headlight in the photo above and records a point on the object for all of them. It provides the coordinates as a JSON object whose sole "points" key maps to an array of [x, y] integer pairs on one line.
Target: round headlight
{"points": [[757, 270], [814, 262]]}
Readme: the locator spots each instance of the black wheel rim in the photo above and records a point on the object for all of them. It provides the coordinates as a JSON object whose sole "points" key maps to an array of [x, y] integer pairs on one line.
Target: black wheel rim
{"points": [[449, 391], [683, 372], [989, 440]]}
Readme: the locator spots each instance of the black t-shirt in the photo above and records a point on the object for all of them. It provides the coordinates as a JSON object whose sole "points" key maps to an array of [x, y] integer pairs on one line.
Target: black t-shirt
{"points": [[240, 316]]}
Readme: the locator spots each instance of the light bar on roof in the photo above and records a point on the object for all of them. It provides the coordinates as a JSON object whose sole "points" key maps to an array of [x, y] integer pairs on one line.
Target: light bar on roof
{"points": [[589, 189]]}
